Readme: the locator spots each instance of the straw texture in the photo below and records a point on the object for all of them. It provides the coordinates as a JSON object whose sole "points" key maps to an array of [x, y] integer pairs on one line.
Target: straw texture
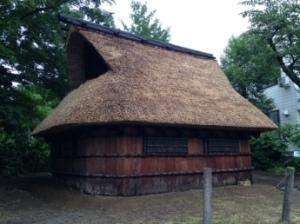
{"points": [[150, 85]]}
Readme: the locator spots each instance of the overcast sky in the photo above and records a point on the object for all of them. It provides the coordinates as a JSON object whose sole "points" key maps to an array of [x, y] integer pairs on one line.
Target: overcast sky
{"points": [[204, 25]]}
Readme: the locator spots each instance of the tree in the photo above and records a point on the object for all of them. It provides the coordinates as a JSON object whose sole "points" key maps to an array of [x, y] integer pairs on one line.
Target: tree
{"points": [[31, 43], [33, 72], [250, 65], [270, 149], [145, 24], [278, 23]]}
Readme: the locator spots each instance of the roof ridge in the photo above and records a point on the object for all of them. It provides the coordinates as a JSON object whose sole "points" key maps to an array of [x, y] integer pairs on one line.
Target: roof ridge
{"points": [[126, 35]]}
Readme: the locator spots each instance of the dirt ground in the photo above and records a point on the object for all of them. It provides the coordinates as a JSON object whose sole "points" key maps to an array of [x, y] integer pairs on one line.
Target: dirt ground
{"points": [[42, 200]]}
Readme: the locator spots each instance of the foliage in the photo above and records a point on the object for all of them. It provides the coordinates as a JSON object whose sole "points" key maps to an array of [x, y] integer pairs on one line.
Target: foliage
{"points": [[145, 24], [270, 149], [89, 10], [250, 65], [33, 73], [32, 44], [278, 23], [20, 152]]}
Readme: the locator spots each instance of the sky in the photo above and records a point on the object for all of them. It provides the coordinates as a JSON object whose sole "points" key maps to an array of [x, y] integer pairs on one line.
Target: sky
{"points": [[204, 25]]}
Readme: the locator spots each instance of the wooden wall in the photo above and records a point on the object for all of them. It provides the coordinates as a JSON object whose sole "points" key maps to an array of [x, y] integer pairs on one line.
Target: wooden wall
{"points": [[122, 156]]}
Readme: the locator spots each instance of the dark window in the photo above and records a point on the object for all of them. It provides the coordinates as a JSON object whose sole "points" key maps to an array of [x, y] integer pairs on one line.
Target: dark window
{"points": [[165, 145], [218, 145], [274, 116]]}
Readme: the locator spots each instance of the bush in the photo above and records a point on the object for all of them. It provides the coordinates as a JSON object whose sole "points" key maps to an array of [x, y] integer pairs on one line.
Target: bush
{"points": [[20, 152], [270, 149]]}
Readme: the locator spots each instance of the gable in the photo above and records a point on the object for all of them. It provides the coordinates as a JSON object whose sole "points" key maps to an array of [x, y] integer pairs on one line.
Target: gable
{"points": [[84, 61]]}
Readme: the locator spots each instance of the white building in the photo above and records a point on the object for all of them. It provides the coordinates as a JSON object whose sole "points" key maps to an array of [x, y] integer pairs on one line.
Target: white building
{"points": [[286, 97]]}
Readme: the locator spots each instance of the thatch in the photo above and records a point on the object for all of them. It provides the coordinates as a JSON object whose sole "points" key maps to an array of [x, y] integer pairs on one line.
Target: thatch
{"points": [[149, 85]]}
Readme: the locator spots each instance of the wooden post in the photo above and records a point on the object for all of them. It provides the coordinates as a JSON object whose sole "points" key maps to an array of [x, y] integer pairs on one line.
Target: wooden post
{"points": [[287, 197], [207, 195]]}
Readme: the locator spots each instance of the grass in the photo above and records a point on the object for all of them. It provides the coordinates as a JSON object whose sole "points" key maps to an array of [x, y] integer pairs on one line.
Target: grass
{"points": [[43, 201]]}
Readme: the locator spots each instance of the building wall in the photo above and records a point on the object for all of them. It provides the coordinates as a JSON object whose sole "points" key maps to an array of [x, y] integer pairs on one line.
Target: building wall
{"points": [[123, 156], [286, 99], [116, 164]]}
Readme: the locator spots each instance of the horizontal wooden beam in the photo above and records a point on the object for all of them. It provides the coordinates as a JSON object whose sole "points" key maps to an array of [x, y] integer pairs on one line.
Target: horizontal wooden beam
{"points": [[156, 156], [199, 172]]}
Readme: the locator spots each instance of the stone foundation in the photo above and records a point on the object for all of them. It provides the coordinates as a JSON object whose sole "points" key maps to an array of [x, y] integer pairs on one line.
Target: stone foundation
{"points": [[130, 186]]}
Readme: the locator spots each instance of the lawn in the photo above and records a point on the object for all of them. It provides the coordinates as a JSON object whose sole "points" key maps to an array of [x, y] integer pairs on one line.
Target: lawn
{"points": [[41, 200]]}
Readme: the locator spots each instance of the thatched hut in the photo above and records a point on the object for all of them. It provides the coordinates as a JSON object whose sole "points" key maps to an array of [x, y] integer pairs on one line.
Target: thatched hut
{"points": [[146, 117]]}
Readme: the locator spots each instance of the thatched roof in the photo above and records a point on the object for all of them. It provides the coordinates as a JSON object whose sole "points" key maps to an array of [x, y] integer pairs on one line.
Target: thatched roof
{"points": [[147, 84]]}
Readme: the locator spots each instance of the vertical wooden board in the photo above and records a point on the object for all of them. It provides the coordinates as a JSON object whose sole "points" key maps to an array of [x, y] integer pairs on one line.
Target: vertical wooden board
{"points": [[247, 161], [181, 164], [98, 146], [149, 165], [79, 165], [202, 162], [111, 165], [123, 166], [223, 162], [112, 146], [82, 145], [138, 145], [209, 162], [58, 164], [216, 162], [245, 146], [71, 165], [167, 165], [89, 146], [75, 165], [250, 161], [90, 167], [239, 162], [193, 163], [171, 164], [121, 145], [63, 165], [67, 166], [138, 165], [97, 165], [119, 163], [143, 166], [131, 145], [105, 146], [160, 164], [195, 146], [129, 166], [228, 164]]}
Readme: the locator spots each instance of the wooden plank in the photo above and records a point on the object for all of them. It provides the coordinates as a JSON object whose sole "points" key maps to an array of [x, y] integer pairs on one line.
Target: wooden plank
{"points": [[195, 146]]}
